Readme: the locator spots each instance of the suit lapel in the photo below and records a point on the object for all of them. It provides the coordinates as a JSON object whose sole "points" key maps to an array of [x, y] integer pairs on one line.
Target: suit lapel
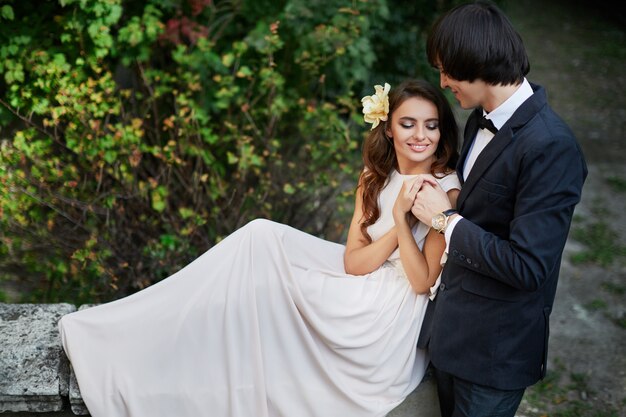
{"points": [[501, 140], [468, 138], [484, 160]]}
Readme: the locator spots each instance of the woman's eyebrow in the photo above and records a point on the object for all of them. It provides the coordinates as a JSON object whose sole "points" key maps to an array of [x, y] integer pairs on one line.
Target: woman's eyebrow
{"points": [[432, 119]]}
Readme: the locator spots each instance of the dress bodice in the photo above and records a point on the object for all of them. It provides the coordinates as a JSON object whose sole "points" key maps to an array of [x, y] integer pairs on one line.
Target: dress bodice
{"points": [[387, 199]]}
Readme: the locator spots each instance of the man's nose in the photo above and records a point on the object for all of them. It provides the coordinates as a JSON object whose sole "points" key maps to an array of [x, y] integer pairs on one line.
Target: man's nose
{"points": [[443, 80]]}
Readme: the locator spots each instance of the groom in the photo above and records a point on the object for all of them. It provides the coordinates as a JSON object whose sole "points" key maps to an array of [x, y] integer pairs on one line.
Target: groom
{"points": [[522, 174]]}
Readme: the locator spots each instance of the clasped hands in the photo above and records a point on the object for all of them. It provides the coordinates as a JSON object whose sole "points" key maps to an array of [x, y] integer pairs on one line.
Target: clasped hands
{"points": [[420, 198]]}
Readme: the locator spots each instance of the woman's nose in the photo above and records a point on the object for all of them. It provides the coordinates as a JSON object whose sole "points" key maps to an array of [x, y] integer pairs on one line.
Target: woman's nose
{"points": [[420, 133]]}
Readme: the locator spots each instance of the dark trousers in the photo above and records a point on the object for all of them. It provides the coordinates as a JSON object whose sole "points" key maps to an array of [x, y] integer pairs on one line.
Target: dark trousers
{"points": [[461, 398]]}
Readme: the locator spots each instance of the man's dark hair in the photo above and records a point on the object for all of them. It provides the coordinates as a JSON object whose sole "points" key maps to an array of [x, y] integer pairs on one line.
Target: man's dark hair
{"points": [[477, 41]]}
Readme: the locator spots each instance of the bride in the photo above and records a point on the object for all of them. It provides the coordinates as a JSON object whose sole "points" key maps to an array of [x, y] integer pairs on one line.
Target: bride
{"points": [[275, 322]]}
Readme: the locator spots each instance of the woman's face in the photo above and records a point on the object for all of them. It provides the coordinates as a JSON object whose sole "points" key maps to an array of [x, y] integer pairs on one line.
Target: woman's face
{"points": [[414, 129]]}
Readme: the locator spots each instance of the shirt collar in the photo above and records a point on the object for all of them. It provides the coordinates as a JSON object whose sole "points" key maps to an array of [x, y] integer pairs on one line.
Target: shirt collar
{"points": [[504, 111]]}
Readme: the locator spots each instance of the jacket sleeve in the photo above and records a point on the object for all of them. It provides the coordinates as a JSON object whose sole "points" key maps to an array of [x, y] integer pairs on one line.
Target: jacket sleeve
{"points": [[548, 186]]}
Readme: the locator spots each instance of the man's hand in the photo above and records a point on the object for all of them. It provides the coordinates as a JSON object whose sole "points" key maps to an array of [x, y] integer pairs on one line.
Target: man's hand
{"points": [[430, 200]]}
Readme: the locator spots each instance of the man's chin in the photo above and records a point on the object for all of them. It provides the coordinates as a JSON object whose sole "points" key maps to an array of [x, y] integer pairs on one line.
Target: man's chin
{"points": [[464, 104]]}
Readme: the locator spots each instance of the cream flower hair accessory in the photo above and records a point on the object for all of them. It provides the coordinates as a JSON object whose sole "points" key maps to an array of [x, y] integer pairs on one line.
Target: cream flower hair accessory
{"points": [[376, 107]]}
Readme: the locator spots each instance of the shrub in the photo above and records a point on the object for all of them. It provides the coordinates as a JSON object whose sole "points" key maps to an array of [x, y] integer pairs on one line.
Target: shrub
{"points": [[136, 134]]}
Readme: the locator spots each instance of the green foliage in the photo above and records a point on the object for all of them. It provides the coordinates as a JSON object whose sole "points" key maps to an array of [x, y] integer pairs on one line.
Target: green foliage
{"points": [[136, 134], [613, 288], [603, 246], [558, 395], [617, 183], [620, 321], [602, 243], [595, 305], [399, 40]]}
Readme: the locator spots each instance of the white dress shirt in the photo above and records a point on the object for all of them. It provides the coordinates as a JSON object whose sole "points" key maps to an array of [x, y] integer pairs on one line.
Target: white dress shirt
{"points": [[499, 117]]}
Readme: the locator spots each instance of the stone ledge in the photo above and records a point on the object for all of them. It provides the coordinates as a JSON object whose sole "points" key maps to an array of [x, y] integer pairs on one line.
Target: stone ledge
{"points": [[34, 372], [36, 379]]}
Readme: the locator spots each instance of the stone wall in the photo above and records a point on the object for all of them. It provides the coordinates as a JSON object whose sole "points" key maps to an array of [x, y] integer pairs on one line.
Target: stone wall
{"points": [[35, 374], [36, 377]]}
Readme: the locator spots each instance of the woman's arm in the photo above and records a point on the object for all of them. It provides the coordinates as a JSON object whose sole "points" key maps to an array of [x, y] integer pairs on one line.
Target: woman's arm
{"points": [[422, 267], [362, 257], [453, 194]]}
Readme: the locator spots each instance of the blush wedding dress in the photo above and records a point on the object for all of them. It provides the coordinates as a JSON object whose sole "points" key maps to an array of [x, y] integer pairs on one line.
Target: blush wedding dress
{"points": [[264, 324]]}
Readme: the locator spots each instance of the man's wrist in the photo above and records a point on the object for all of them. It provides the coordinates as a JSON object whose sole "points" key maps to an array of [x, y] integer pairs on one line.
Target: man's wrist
{"points": [[453, 221], [441, 220]]}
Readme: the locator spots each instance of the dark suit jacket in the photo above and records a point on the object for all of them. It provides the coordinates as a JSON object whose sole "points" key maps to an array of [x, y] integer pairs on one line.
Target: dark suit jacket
{"points": [[489, 321]]}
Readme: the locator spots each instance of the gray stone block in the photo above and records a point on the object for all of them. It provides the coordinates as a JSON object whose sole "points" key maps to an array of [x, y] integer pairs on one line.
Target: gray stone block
{"points": [[76, 400], [34, 371]]}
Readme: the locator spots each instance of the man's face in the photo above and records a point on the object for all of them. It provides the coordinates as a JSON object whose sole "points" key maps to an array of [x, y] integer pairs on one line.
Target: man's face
{"points": [[468, 94]]}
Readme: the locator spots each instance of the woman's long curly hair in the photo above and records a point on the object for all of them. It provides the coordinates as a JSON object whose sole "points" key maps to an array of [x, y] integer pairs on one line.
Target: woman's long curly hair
{"points": [[379, 156]]}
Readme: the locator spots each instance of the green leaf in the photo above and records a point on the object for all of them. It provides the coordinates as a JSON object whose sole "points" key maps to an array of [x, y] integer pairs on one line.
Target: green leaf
{"points": [[7, 12], [232, 158], [288, 189], [185, 213], [159, 197], [110, 156]]}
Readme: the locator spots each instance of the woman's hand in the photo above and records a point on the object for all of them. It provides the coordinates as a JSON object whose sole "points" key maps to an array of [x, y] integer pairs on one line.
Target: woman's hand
{"points": [[406, 198]]}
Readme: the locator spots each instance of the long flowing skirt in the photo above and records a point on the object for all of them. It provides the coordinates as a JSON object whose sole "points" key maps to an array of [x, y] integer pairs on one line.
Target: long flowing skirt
{"points": [[266, 323]]}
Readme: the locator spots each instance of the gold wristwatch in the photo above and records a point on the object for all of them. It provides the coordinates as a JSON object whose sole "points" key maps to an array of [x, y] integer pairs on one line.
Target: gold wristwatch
{"points": [[440, 220]]}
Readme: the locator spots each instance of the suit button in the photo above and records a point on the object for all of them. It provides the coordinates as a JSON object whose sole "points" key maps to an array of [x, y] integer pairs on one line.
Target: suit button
{"points": [[476, 265], [455, 252], [462, 257], [442, 286], [469, 261]]}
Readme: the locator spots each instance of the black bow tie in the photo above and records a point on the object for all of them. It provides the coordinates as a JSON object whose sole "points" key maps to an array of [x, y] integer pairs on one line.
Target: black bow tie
{"points": [[485, 123]]}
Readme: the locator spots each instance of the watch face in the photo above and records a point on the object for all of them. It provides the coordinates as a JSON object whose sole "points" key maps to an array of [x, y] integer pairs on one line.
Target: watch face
{"points": [[439, 221]]}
